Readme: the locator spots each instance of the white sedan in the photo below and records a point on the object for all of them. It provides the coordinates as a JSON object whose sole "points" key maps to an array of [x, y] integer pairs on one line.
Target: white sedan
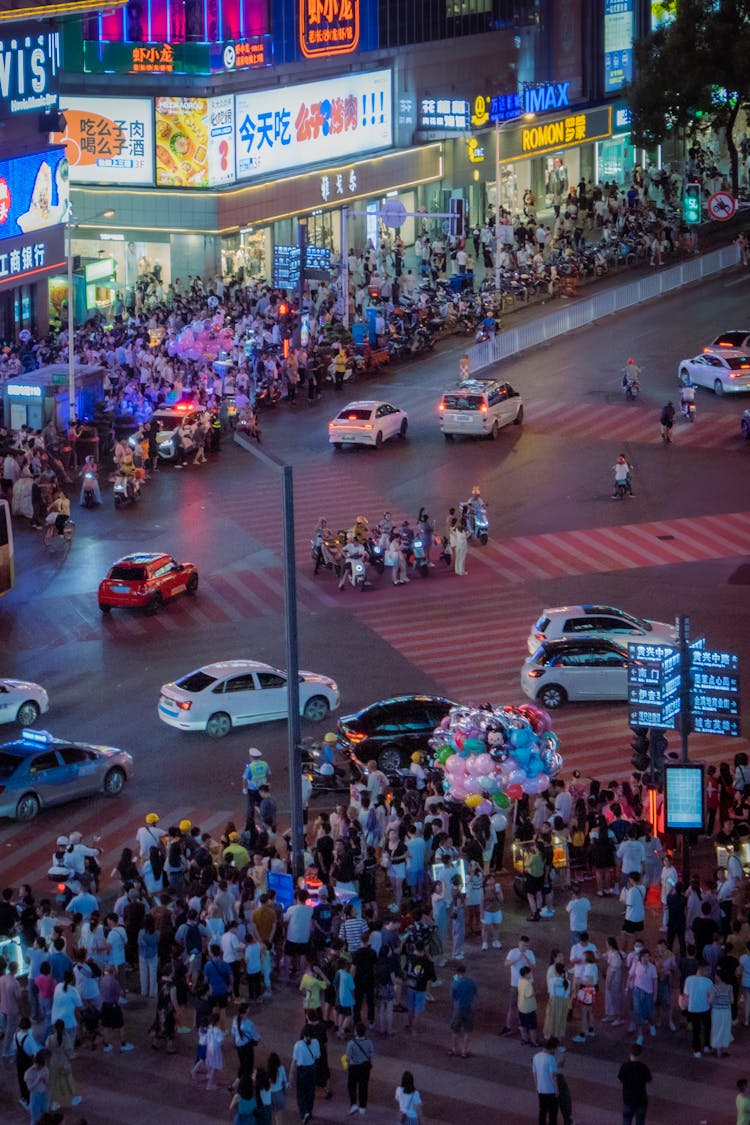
{"points": [[367, 423], [22, 702], [724, 372], [234, 693]]}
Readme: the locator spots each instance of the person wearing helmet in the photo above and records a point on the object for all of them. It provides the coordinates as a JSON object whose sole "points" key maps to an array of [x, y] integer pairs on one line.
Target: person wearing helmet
{"points": [[354, 551], [474, 507], [361, 530], [417, 771], [256, 773], [327, 748], [631, 376], [148, 836], [81, 860]]}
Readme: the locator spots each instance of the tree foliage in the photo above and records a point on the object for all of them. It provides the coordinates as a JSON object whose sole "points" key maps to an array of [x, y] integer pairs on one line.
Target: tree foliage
{"points": [[693, 73]]}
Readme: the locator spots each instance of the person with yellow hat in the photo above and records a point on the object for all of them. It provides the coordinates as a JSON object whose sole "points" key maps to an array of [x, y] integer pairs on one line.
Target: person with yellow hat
{"points": [[417, 770], [149, 836], [235, 854]]}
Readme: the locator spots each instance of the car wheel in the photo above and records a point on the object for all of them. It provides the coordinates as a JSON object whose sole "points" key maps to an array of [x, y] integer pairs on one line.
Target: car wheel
{"points": [[448, 437], [28, 713], [378, 439], [316, 709], [155, 604], [494, 432], [337, 446], [219, 725], [746, 430], [552, 696], [718, 387], [404, 427], [114, 782], [192, 584], [684, 376], [27, 808], [105, 608], [389, 759], [519, 417]]}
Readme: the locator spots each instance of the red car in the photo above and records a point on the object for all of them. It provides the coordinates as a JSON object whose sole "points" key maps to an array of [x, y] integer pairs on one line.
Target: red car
{"points": [[146, 581]]}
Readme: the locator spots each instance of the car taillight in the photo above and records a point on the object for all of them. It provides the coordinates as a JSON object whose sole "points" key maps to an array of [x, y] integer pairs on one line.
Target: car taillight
{"points": [[367, 426], [535, 673], [355, 735], [484, 408], [539, 636], [441, 406], [184, 704], [142, 589]]}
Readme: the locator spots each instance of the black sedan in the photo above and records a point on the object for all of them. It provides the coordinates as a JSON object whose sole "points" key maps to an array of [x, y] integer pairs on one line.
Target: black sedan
{"points": [[391, 730]]}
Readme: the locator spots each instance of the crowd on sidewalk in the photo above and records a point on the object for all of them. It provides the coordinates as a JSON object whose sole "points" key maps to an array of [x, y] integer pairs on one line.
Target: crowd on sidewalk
{"points": [[396, 887]]}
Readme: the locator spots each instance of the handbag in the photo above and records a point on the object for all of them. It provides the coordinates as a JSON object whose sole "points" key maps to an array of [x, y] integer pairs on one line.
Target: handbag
{"points": [[390, 558], [586, 994], [682, 1002]]}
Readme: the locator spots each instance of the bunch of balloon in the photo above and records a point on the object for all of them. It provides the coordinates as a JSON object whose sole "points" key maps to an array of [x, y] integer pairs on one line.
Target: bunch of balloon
{"points": [[490, 756]]}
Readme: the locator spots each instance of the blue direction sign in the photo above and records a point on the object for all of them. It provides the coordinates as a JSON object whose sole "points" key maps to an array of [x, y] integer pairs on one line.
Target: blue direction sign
{"points": [[715, 693], [653, 685]]}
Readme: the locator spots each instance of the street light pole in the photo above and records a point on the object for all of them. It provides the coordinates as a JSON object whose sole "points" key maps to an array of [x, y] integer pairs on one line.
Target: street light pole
{"points": [[292, 652], [497, 206]]}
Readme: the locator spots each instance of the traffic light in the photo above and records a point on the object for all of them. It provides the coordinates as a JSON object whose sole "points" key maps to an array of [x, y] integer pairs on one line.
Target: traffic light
{"points": [[691, 203], [649, 748], [456, 220]]}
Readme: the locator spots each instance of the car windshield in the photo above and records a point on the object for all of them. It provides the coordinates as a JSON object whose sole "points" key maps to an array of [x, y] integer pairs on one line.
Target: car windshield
{"points": [[8, 763], [127, 574], [738, 362], [462, 402], [196, 681], [360, 414]]}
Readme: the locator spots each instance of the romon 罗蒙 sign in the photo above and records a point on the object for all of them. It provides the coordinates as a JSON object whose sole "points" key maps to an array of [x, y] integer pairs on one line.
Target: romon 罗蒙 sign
{"points": [[29, 72]]}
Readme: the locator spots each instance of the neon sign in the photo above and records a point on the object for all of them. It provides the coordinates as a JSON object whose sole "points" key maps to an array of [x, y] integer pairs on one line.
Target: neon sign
{"points": [[328, 27]]}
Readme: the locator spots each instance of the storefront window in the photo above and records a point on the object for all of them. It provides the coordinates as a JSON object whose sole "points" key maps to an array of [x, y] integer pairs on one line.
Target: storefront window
{"points": [[180, 21]]}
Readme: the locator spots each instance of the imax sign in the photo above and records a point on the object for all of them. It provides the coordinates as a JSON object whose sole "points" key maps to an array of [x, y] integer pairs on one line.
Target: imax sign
{"points": [[29, 69], [539, 99]]}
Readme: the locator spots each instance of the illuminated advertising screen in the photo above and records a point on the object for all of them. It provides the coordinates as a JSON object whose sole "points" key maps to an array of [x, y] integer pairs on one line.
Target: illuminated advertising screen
{"points": [[109, 140], [328, 27], [29, 70], [618, 44], [683, 797], [195, 140], [324, 120], [33, 193]]}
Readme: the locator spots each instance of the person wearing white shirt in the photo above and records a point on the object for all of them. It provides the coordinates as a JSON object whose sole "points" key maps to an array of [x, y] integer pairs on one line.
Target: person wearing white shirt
{"points": [[578, 954], [633, 896], [231, 952], [516, 959], [544, 1068], [563, 802], [631, 855], [699, 991], [578, 912]]}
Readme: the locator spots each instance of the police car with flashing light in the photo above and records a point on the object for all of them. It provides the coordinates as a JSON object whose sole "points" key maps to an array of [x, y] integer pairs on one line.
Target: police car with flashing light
{"points": [[168, 421], [38, 770]]}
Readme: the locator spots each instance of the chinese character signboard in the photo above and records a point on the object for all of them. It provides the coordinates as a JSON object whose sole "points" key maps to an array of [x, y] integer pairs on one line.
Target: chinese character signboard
{"points": [[715, 694], [534, 138], [536, 98], [325, 120], [29, 70], [618, 44], [177, 58], [443, 113], [286, 264], [33, 193], [328, 27], [194, 141], [109, 140], [653, 685], [28, 257]]}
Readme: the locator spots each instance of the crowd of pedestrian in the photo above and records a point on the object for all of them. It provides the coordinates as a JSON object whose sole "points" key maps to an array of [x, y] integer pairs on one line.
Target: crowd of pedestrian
{"points": [[397, 885]]}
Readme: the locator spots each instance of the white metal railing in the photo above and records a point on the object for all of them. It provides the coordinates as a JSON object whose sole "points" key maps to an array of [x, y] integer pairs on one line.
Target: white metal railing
{"points": [[581, 313]]}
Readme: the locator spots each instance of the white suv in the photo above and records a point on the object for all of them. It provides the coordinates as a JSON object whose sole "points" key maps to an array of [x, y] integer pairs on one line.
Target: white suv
{"points": [[479, 408], [572, 622]]}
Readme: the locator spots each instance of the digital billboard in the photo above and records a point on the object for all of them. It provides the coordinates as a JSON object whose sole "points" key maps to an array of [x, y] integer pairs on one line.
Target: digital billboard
{"points": [[109, 140], [34, 192]]}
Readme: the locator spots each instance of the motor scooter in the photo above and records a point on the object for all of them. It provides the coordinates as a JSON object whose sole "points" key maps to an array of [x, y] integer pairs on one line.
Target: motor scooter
{"points": [[126, 490], [419, 558], [355, 572], [88, 491]]}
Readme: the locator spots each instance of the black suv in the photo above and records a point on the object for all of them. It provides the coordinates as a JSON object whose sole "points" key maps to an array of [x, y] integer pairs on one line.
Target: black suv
{"points": [[392, 729]]}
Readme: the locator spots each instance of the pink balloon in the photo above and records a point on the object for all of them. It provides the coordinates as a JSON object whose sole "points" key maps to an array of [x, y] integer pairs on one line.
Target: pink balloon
{"points": [[484, 763]]}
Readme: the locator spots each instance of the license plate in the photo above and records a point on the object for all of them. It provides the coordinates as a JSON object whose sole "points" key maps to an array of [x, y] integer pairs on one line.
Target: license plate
{"points": [[167, 706], [120, 589], [348, 437]]}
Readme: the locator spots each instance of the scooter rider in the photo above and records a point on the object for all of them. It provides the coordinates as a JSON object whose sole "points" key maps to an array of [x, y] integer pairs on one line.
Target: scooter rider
{"points": [[687, 398], [474, 507], [353, 551], [361, 529], [622, 470], [631, 375], [90, 480], [58, 512]]}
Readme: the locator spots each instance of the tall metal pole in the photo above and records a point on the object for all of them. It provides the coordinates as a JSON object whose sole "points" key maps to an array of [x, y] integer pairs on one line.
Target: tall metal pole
{"points": [[292, 651], [345, 263], [497, 206], [302, 247], [292, 674], [683, 640], [71, 329]]}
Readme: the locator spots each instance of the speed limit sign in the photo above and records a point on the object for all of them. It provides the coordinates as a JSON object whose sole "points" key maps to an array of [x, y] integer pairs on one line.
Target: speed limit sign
{"points": [[721, 206]]}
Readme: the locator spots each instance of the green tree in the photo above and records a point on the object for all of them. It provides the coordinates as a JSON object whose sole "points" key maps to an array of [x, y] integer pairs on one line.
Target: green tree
{"points": [[692, 74]]}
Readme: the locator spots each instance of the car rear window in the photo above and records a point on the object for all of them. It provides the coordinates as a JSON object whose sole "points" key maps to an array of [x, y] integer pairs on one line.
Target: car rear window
{"points": [[731, 339], [738, 362], [196, 681], [128, 574], [358, 415], [8, 763], [463, 402]]}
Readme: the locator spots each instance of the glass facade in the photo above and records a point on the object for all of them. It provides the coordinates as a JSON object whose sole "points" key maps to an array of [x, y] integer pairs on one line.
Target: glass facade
{"points": [[407, 22], [180, 21]]}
